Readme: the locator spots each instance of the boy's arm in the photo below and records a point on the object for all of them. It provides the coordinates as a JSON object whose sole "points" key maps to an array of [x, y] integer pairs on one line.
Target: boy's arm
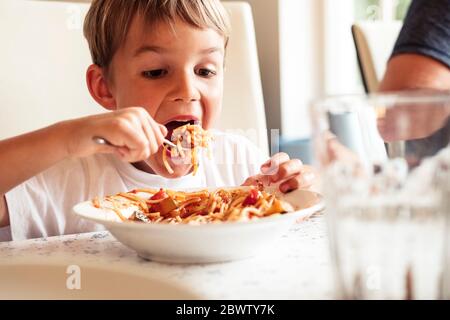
{"points": [[25, 156], [132, 129]]}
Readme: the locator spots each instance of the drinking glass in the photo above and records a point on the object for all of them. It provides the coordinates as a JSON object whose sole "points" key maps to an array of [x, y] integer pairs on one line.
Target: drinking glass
{"points": [[384, 161]]}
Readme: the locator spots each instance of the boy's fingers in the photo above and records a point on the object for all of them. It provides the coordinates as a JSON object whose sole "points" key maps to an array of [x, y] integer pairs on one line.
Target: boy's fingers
{"points": [[159, 132], [163, 130], [106, 149], [122, 153], [276, 159], [271, 166], [287, 169], [142, 146], [251, 181], [134, 140], [301, 181], [254, 180], [290, 185], [141, 118], [148, 139], [109, 149], [153, 144]]}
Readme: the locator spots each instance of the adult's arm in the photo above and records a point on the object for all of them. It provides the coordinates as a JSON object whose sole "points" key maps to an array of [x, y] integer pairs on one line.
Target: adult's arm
{"points": [[421, 56], [420, 60], [411, 71]]}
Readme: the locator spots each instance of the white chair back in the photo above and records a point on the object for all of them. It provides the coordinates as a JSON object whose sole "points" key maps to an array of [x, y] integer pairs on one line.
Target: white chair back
{"points": [[44, 58], [374, 41]]}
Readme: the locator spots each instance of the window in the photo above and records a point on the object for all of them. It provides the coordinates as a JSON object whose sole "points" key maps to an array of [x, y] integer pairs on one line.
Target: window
{"points": [[374, 9], [341, 69]]}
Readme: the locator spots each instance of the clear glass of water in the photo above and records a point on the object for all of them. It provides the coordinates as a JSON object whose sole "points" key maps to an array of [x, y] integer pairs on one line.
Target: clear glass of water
{"points": [[385, 172]]}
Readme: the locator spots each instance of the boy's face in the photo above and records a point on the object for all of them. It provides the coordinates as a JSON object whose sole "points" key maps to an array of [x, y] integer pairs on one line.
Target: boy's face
{"points": [[175, 73]]}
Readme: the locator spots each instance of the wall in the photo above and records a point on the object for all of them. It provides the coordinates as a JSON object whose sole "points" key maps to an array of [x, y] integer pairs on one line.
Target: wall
{"points": [[301, 63], [265, 14], [290, 38]]}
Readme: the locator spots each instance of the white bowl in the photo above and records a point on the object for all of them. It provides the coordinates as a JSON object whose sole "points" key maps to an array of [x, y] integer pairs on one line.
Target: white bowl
{"points": [[206, 243]]}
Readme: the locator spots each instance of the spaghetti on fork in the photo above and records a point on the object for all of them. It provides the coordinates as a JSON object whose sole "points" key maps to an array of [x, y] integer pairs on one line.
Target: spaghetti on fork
{"points": [[187, 138], [176, 207]]}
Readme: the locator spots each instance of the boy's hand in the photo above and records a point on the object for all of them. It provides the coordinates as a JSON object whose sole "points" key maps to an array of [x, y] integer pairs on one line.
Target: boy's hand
{"points": [[135, 133], [290, 174]]}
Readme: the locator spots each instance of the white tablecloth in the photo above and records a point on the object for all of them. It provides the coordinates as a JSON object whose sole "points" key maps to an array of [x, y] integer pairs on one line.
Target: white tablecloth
{"points": [[297, 267]]}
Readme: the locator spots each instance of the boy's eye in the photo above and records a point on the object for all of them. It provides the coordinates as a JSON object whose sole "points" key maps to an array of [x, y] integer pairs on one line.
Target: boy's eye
{"points": [[206, 73], [154, 74]]}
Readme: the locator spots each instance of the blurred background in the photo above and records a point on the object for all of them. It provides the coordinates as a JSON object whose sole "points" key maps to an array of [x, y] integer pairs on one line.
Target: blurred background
{"points": [[306, 50]]}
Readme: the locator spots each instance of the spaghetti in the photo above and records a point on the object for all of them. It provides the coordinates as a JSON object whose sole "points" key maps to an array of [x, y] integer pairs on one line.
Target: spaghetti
{"points": [[176, 207], [189, 137]]}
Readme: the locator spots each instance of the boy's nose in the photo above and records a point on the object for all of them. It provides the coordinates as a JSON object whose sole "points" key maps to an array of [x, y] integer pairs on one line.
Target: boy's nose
{"points": [[186, 90]]}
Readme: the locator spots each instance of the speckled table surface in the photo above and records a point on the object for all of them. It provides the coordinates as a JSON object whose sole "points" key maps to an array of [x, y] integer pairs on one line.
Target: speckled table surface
{"points": [[296, 267]]}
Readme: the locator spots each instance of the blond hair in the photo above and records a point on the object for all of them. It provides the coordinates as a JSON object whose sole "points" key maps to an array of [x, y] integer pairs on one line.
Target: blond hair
{"points": [[108, 21]]}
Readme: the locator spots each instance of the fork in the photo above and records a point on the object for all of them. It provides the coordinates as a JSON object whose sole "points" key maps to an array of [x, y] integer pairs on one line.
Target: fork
{"points": [[103, 141]]}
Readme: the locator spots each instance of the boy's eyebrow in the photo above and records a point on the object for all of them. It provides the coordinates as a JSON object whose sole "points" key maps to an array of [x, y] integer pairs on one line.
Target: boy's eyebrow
{"points": [[147, 48], [212, 50], [156, 49]]}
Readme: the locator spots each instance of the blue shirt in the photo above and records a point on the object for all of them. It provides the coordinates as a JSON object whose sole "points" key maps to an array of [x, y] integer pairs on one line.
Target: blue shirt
{"points": [[426, 30]]}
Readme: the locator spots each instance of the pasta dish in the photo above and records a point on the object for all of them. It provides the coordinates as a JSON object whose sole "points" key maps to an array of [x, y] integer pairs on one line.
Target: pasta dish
{"points": [[168, 206]]}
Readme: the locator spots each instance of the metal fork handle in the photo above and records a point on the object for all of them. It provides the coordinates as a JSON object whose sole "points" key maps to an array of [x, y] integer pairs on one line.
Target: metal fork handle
{"points": [[103, 141]]}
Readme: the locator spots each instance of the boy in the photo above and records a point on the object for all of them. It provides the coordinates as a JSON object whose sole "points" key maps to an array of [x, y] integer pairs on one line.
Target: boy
{"points": [[157, 65]]}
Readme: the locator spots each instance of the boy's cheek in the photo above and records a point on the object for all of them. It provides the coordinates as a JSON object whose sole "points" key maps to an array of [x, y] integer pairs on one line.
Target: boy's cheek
{"points": [[211, 116], [128, 94]]}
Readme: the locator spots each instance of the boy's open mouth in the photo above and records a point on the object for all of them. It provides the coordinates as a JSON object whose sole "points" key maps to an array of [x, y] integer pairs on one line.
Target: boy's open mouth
{"points": [[172, 125]]}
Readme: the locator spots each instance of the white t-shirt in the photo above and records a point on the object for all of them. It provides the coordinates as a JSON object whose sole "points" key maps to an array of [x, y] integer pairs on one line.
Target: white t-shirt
{"points": [[42, 206]]}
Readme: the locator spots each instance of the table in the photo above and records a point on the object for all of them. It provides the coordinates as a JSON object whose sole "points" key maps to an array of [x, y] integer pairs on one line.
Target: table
{"points": [[296, 267]]}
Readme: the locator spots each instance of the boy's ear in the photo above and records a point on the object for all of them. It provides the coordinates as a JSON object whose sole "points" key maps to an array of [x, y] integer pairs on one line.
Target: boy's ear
{"points": [[99, 88]]}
